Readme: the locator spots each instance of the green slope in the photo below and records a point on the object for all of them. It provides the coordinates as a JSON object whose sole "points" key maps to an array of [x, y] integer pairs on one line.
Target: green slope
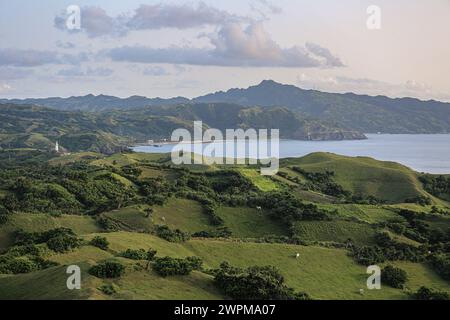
{"points": [[388, 181]]}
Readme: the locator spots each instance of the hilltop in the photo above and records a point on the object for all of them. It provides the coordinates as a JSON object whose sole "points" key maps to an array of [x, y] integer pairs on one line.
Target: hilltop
{"points": [[362, 113], [25, 126]]}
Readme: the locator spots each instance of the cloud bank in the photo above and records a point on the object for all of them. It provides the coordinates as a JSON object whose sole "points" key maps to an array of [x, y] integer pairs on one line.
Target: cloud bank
{"points": [[95, 22], [233, 45], [32, 58]]}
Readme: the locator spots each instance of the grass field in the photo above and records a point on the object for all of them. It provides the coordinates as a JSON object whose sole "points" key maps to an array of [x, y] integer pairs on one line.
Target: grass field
{"points": [[263, 183], [249, 223], [132, 218], [336, 231], [322, 272], [365, 213], [364, 176], [42, 222], [186, 215]]}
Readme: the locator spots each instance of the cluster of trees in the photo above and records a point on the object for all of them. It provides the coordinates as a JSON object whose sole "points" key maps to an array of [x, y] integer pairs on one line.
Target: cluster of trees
{"points": [[23, 259], [139, 254], [387, 249], [418, 229], [420, 200], [286, 207], [108, 269], [441, 264], [167, 266], [100, 242], [438, 186], [70, 189], [220, 232], [254, 283], [170, 235], [59, 240], [425, 293], [323, 182]]}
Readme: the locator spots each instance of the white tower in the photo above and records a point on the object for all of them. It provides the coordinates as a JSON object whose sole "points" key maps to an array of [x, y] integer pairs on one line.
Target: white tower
{"points": [[57, 147]]}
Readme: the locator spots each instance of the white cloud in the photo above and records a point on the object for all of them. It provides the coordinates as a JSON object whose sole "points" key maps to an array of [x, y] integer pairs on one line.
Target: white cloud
{"points": [[342, 84], [33, 58], [4, 87], [96, 22], [233, 45], [89, 72]]}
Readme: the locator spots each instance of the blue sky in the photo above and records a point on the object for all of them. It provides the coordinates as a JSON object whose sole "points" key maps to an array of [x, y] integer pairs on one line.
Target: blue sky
{"points": [[189, 48]]}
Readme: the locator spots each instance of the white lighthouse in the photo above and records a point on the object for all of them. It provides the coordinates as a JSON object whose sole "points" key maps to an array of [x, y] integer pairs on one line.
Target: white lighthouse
{"points": [[57, 147]]}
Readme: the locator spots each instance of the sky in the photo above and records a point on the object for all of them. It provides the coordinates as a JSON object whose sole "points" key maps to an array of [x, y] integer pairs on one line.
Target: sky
{"points": [[190, 48]]}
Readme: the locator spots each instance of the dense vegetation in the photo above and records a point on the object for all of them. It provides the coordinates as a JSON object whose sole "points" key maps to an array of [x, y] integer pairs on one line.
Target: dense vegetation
{"points": [[357, 112], [114, 214], [254, 283], [25, 126]]}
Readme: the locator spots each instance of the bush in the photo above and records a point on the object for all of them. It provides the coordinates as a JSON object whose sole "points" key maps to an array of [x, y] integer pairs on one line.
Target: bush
{"points": [[151, 254], [139, 254], [254, 283], [63, 243], [394, 277], [100, 242], [21, 265], [221, 232], [425, 293], [58, 240], [441, 263], [3, 219], [108, 289], [195, 262], [166, 233], [107, 269], [168, 266]]}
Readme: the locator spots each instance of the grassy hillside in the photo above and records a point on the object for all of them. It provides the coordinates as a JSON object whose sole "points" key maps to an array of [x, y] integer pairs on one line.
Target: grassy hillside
{"points": [[245, 219], [364, 176], [325, 273]]}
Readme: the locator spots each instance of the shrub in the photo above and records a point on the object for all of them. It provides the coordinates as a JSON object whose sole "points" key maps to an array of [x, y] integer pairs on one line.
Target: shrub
{"points": [[100, 242], [108, 289], [151, 253], [171, 235], [108, 224], [107, 269], [139, 254], [168, 266], [394, 277], [63, 243], [21, 265], [195, 262], [221, 232], [255, 283], [425, 293], [441, 263], [3, 219]]}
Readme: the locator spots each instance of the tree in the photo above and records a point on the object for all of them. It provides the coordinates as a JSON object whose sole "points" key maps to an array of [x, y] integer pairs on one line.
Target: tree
{"points": [[168, 266], [254, 283], [100, 242], [425, 293], [394, 277], [107, 269]]}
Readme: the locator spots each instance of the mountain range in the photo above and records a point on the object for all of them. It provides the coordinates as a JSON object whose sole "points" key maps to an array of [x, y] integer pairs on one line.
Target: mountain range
{"points": [[362, 113], [30, 126]]}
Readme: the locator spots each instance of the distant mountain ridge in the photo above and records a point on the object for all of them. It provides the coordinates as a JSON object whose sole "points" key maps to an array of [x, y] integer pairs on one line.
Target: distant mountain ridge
{"points": [[369, 114], [27, 126]]}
